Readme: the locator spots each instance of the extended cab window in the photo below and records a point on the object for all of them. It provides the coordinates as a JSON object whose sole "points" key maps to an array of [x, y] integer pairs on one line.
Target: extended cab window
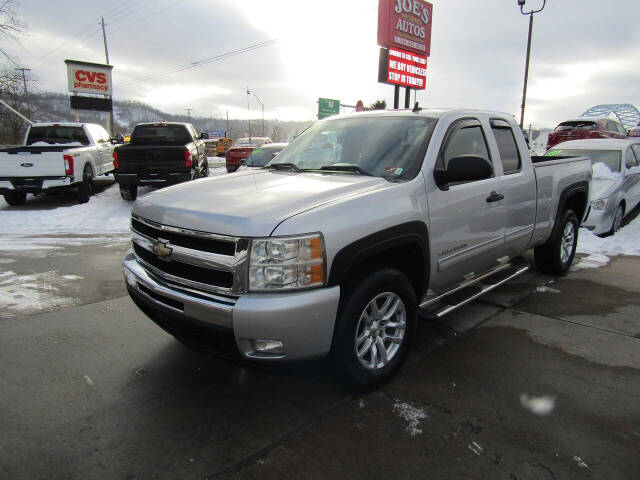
{"points": [[509, 153], [160, 134]]}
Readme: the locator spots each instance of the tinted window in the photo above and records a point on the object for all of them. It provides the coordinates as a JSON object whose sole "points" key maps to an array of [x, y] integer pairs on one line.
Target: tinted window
{"points": [[468, 140], [636, 150], [160, 134], [630, 159], [509, 153], [52, 135], [575, 125]]}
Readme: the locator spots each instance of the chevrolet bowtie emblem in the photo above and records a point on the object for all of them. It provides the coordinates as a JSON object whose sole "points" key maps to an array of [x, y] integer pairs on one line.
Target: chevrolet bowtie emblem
{"points": [[162, 249]]}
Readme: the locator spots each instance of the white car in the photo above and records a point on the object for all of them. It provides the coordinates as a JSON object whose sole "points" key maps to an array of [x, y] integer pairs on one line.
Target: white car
{"points": [[615, 186], [56, 156]]}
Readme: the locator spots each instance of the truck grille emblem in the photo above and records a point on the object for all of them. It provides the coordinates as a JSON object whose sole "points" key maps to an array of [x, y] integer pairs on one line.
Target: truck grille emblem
{"points": [[162, 249]]}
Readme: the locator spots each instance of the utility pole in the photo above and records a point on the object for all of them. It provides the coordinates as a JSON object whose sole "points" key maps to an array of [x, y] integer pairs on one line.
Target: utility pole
{"points": [[249, 110], [261, 104], [24, 78], [189, 113], [526, 65], [106, 55], [227, 130]]}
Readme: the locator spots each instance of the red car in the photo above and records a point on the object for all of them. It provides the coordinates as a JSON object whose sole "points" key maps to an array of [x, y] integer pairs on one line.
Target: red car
{"points": [[586, 127], [242, 149], [635, 131]]}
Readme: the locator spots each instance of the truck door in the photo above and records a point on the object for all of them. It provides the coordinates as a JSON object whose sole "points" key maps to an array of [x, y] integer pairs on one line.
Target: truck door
{"points": [[466, 218], [519, 187]]}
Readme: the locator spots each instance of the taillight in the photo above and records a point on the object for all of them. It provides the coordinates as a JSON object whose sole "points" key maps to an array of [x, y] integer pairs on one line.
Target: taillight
{"points": [[68, 164], [187, 159], [116, 163]]}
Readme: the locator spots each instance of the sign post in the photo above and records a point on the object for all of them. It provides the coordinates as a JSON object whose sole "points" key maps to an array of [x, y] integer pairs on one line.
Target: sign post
{"points": [[404, 33], [328, 107]]}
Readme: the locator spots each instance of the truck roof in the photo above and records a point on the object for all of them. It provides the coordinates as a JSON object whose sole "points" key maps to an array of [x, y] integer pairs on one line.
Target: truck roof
{"points": [[62, 124], [424, 112], [164, 123]]}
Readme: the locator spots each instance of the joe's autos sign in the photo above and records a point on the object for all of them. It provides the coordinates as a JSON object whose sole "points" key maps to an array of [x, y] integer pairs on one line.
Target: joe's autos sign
{"points": [[84, 77], [405, 24]]}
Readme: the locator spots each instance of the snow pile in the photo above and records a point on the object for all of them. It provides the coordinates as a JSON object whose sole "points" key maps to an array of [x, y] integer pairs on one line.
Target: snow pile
{"points": [[539, 405], [624, 242], [545, 289], [32, 293], [595, 260], [411, 414]]}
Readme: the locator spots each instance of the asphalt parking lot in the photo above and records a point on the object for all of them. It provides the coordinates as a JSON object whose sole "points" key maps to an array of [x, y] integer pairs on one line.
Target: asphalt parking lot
{"points": [[538, 380]]}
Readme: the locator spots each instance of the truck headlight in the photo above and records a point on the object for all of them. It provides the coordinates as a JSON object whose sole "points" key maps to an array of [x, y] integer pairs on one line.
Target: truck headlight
{"points": [[287, 263], [601, 204]]}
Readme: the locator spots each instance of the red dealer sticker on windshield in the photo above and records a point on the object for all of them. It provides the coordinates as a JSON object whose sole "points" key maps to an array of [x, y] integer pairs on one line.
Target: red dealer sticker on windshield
{"points": [[407, 69]]}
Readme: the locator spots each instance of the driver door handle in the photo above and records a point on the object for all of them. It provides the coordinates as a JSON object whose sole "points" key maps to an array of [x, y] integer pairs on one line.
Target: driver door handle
{"points": [[494, 197]]}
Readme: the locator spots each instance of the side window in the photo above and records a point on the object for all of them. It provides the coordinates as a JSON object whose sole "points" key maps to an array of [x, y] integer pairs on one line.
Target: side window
{"points": [[466, 140], [509, 153], [621, 128], [636, 150], [102, 134], [630, 159]]}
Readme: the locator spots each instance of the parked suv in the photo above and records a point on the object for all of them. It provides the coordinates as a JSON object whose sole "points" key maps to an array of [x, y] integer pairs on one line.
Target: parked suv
{"points": [[586, 127]]}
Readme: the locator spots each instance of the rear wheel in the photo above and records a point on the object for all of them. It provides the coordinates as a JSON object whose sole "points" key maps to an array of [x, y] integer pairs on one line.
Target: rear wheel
{"points": [[86, 187], [15, 198], [129, 193], [374, 328], [231, 168], [554, 257]]}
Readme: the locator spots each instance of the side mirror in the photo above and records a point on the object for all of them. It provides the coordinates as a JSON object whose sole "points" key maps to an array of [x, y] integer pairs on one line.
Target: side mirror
{"points": [[464, 168]]}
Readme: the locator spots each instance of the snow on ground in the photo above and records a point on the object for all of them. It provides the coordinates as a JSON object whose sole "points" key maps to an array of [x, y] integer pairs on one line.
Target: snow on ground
{"points": [[31, 293], [411, 414], [106, 214]]}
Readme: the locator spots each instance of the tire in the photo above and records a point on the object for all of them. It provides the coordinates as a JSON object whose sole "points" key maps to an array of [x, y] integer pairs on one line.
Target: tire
{"points": [[129, 193], [205, 169], [356, 331], [86, 187], [617, 220], [231, 168], [15, 199], [554, 257]]}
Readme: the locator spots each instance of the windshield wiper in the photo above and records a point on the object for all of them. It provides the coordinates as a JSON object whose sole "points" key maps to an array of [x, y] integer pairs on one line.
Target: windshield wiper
{"points": [[347, 168], [282, 166]]}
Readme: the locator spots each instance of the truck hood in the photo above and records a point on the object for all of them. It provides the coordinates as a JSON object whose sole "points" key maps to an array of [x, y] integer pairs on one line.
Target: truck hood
{"points": [[251, 203]]}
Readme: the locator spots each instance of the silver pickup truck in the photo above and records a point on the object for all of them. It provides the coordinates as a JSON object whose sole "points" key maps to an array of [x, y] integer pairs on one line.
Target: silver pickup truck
{"points": [[55, 156], [358, 226]]}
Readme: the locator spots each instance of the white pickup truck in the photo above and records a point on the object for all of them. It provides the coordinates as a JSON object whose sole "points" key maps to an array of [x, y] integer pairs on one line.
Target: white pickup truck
{"points": [[358, 225], [56, 156]]}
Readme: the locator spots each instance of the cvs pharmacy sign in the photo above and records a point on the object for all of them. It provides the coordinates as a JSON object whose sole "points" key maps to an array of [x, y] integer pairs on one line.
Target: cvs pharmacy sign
{"points": [[84, 77]]}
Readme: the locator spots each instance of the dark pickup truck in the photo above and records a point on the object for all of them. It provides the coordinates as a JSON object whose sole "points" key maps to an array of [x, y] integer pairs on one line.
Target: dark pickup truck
{"points": [[159, 154]]}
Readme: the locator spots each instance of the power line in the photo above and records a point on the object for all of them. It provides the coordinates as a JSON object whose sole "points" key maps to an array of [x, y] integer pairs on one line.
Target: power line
{"points": [[128, 12], [204, 61], [122, 27], [76, 36]]}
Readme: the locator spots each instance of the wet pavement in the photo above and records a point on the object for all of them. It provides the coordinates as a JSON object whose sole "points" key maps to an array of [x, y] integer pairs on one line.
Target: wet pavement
{"points": [[538, 380]]}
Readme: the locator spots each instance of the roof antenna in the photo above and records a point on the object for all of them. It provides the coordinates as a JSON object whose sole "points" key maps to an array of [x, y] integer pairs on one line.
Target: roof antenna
{"points": [[416, 108]]}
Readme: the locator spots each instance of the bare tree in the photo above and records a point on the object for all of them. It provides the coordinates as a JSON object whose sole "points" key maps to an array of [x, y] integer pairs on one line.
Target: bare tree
{"points": [[12, 91], [10, 26]]}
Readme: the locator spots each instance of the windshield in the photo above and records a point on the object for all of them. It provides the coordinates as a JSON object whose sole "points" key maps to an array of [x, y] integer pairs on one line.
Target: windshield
{"points": [[161, 134], [384, 146], [261, 156], [611, 158], [575, 125], [51, 135]]}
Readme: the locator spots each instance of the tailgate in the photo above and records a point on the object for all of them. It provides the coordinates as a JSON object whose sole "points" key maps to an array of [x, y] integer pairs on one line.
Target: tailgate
{"points": [[238, 153], [31, 163], [145, 159]]}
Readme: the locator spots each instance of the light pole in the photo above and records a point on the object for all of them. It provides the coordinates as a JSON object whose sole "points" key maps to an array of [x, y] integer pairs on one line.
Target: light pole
{"points": [[526, 65], [261, 104]]}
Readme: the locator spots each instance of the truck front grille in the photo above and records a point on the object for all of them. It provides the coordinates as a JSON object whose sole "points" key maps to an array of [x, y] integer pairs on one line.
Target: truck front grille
{"points": [[196, 260]]}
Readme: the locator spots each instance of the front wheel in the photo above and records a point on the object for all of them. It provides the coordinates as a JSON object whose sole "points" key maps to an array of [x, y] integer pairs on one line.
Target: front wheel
{"points": [[374, 328], [15, 198], [554, 257], [617, 220]]}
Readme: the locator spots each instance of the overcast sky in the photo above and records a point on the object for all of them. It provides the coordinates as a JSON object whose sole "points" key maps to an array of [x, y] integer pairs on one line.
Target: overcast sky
{"points": [[584, 52]]}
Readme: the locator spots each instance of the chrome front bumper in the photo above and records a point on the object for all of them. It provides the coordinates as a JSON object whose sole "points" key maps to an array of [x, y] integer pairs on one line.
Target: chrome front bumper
{"points": [[302, 321]]}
